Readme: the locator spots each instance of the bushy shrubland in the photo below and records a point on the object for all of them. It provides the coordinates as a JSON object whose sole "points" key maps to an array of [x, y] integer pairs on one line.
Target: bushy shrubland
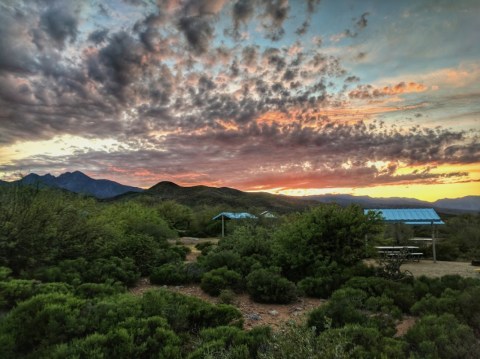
{"points": [[216, 280], [268, 286], [77, 271], [231, 342], [188, 314], [170, 273], [442, 337], [355, 306]]}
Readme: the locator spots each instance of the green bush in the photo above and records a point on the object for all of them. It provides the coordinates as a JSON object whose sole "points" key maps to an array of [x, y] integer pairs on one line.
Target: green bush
{"points": [[319, 287], [188, 314], [17, 290], [355, 341], [463, 304], [402, 294], [45, 320], [227, 296], [222, 278], [100, 270], [170, 273], [97, 290], [220, 258], [442, 337], [230, 342], [267, 286]]}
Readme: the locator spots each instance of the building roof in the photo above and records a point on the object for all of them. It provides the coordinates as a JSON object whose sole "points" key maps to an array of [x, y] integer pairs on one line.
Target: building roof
{"points": [[233, 215], [412, 216]]}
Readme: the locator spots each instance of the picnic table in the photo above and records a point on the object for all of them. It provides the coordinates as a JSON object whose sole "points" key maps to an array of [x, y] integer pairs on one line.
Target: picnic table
{"points": [[410, 252]]}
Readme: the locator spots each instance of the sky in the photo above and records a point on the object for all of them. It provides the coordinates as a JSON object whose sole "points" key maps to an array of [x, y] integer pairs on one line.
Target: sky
{"points": [[378, 98]]}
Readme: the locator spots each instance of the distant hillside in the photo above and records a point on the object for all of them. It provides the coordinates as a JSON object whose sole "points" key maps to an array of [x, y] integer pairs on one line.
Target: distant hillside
{"points": [[468, 203], [229, 197], [456, 205], [79, 182]]}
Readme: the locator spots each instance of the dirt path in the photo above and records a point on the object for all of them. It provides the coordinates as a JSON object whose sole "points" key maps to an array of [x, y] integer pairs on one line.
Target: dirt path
{"points": [[254, 314]]}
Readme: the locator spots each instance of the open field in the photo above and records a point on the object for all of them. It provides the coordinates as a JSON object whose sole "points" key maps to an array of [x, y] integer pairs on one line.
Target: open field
{"points": [[428, 268]]}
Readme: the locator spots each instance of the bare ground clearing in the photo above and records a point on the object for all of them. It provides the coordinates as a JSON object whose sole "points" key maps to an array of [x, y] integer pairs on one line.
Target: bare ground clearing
{"points": [[254, 314]]}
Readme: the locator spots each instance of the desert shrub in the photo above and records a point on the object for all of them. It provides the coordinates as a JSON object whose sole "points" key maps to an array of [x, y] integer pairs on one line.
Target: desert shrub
{"points": [[402, 294], [355, 341], [203, 246], [166, 255], [5, 273], [319, 287], [220, 258], [230, 342], [267, 286], [188, 314], [98, 290], [442, 337], [17, 290], [133, 338], [100, 270], [227, 296], [45, 320], [115, 269], [170, 273], [298, 342], [463, 304], [324, 233], [222, 278], [344, 307], [181, 250], [107, 312], [194, 272]]}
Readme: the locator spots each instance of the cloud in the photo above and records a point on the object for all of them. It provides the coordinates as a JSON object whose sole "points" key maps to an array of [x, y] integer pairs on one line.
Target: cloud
{"points": [[59, 23], [370, 92]]}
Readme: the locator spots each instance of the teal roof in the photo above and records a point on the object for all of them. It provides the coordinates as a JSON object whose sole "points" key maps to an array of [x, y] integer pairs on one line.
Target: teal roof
{"points": [[233, 215], [412, 216]]}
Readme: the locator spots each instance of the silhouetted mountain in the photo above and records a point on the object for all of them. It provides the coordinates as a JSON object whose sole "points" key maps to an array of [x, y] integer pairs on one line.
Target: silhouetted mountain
{"points": [[465, 204], [468, 203], [230, 197], [79, 182]]}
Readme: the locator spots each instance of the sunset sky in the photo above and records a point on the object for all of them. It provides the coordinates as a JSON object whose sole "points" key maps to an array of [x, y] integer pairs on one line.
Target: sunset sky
{"points": [[376, 97]]}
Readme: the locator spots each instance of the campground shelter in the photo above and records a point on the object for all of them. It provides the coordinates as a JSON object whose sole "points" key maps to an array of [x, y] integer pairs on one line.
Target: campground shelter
{"points": [[413, 217], [225, 216]]}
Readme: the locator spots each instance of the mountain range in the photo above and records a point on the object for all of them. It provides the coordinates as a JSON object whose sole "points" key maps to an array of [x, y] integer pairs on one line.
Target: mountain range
{"points": [[78, 182]]}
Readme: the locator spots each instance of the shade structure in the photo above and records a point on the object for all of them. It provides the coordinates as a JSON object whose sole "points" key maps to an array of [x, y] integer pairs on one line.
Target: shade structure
{"points": [[232, 215], [411, 216]]}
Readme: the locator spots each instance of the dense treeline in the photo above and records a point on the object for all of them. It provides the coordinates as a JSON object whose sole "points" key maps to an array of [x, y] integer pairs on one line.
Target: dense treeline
{"points": [[66, 262]]}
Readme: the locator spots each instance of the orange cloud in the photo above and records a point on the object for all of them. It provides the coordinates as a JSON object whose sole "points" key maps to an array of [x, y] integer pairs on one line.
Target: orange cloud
{"points": [[370, 92]]}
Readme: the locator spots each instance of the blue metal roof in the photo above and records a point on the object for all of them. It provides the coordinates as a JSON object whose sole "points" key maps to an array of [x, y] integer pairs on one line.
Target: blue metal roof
{"points": [[413, 216], [233, 215]]}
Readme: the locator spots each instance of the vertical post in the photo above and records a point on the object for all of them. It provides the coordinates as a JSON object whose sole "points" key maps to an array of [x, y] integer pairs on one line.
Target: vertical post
{"points": [[223, 226], [433, 244]]}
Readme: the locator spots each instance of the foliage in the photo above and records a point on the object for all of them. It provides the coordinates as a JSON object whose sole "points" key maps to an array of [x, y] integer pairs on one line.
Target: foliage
{"points": [[267, 286], [222, 278], [17, 290], [442, 337], [170, 273], [325, 233], [188, 314], [354, 306], [77, 271], [231, 342]]}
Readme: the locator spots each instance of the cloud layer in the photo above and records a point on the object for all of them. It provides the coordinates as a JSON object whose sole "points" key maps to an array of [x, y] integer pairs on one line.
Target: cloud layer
{"points": [[237, 93]]}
